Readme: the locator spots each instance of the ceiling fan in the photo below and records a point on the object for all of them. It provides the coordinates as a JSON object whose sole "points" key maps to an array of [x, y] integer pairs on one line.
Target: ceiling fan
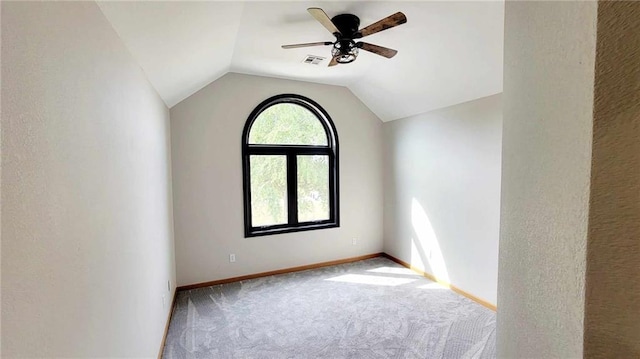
{"points": [[345, 28]]}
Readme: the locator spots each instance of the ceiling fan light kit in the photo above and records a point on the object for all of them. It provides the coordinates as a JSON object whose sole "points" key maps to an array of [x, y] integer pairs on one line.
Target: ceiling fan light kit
{"points": [[345, 28], [344, 51]]}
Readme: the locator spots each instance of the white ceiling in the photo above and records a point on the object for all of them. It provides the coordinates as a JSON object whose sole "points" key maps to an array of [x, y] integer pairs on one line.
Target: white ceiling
{"points": [[448, 52]]}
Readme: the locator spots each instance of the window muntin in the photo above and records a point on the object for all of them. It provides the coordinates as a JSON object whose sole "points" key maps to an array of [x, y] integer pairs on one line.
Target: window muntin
{"points": [[295, 133]]}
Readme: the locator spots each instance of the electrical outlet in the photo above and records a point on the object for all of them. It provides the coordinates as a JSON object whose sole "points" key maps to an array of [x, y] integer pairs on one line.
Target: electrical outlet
{"points": [[232, 258], [354, 241]]}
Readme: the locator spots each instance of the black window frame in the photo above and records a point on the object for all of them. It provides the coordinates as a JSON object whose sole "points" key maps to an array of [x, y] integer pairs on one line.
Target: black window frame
{"points": [[291, 152]]}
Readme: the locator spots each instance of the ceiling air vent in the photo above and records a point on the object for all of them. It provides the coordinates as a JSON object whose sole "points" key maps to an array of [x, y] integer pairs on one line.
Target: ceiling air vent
{"points": [[313, 59]]}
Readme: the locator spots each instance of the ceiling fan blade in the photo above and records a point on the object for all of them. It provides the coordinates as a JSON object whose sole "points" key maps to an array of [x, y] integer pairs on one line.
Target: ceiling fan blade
{"points": [[333, 62], [378, 50], [322, 18], [320, 43], [386, 23]]}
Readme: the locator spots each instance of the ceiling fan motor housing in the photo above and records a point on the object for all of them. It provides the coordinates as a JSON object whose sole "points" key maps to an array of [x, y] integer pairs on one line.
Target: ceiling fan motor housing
{"points": [[348, 24]]}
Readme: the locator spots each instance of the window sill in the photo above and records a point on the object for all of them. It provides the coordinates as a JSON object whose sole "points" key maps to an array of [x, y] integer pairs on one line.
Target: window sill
{"points": [[257, 232]]}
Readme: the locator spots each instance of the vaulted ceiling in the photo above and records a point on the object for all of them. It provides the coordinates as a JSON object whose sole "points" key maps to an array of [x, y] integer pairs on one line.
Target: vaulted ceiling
{"points": [[448, 52]]}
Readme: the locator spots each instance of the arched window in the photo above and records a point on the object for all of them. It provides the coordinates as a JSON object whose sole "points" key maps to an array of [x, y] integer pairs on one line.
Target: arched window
{"points": [[290, 167]]}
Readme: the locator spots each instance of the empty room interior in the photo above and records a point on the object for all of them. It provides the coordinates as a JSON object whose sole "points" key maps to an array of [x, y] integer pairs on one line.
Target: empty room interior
{"points": [[366, 179]]}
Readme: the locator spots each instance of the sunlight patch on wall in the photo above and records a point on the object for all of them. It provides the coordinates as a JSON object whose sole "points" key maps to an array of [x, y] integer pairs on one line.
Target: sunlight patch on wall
{"points": [[426, 247], [416, 258]]}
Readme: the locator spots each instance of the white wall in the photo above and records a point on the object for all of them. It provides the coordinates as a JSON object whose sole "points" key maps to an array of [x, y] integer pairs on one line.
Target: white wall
{"points": [[547, 135], [0, 187], [206, 131], [87, 244], [442, 193]]}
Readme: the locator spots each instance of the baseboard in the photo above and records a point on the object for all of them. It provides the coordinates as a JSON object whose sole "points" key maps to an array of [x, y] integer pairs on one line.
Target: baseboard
{"points": [[166, 327], [279, 271], [446, 284]]}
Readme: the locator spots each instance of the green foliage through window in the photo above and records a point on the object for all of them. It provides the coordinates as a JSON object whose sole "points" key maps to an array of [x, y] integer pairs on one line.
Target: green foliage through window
{"points": [[268, 190], [313, 188], [287, 124]]}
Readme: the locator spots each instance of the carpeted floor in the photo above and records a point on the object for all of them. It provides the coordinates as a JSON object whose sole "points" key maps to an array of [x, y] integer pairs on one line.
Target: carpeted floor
{"points": [[368, 309]]}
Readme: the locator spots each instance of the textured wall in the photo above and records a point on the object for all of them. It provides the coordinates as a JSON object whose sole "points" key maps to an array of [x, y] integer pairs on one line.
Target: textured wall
{"points": [[442, 193], [206, 131], [0, 186], [548, 119], [87, 244], [612, 308]]}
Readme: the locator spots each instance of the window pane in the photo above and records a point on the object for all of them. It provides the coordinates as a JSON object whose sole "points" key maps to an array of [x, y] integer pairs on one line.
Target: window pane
{"points": [[313, 188], [287, 124], [268, 190]]}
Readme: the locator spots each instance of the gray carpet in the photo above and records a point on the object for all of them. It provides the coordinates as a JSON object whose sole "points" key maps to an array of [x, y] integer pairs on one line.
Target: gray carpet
{"points": [[368, 309]]}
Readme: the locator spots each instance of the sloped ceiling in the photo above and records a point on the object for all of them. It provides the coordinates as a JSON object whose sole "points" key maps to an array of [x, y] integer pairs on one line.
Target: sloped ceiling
{"points": [[448, 52]]}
